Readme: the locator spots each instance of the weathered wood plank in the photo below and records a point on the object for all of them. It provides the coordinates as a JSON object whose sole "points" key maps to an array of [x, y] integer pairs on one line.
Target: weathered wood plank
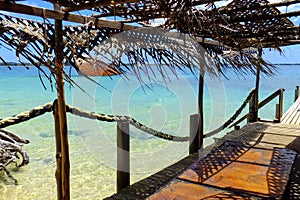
{"points": [[292, 114]]}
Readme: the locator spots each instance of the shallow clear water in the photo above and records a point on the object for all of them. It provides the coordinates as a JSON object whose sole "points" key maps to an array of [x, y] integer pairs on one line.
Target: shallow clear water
{"points": [[162, 106]]}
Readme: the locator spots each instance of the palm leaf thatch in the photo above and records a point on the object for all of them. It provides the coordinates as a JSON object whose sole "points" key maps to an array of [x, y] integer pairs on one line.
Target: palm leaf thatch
{"points": [[236, 27]]}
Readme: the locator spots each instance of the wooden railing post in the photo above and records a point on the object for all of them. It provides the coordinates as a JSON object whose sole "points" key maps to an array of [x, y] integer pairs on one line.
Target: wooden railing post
{"points": [[253, 109], [196, 137], [58, 150], [296, 93], [61, 102], [279, 106], [123, 156]]}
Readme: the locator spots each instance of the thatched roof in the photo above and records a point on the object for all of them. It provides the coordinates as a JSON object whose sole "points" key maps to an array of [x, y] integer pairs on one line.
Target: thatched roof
{"points": [[226, 32]]}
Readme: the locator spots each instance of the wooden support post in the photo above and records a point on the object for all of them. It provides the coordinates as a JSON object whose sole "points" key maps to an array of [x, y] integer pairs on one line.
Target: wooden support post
{"points": [[279, 107], [277, 114], [58, 150], [194, 134], [252, 117], [200, 133], [61, 111], [296, 93], [123, 156], [280, 104]]}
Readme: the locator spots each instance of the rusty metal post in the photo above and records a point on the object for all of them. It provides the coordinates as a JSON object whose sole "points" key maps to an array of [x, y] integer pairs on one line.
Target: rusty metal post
{"points": [[61, 111], [123, 156], [58, 150], [194, 134], [296, 93]]}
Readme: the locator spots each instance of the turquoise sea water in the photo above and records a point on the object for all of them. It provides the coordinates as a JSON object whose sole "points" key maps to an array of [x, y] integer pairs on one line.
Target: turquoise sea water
{"points": [[165, 106]]}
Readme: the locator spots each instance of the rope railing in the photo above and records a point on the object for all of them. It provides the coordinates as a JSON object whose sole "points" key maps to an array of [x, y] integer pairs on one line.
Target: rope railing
{"points": [[40, 110], [233, 117], [130, 120], [25, 116], [261, 104]]}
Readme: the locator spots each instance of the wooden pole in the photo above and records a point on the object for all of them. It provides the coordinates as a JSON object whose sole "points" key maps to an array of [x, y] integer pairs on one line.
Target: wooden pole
{"points": [[251, 115], [123, 156], [280, 105], [200, 134], [258, 69], [65, 162], [296, 93], [58, 150], [194, 137]]}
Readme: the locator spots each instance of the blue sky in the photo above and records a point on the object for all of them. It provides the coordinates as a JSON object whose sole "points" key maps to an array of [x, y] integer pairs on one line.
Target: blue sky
{"points": [[290, 54]]}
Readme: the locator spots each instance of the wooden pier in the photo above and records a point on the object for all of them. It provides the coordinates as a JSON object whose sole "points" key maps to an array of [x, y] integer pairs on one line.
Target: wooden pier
{"points": [[292, 115], [259, 161]]}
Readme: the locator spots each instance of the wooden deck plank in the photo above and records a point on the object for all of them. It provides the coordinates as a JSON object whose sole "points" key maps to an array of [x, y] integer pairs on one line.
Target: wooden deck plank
{"points": [[289, 113], [265, 137], [249, 170], [181, 190], [296, 116], [291, 116]]}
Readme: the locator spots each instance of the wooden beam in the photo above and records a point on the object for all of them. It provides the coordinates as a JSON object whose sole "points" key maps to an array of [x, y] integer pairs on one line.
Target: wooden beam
{"points": [[102, 3], [60, 15], [264, 17], [59, 65], [58, 171], [269, 5]]}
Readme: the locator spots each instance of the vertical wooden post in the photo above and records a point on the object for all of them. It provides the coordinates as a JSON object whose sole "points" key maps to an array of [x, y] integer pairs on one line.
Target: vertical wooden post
{"points": [[277, 113], [194, 134], [200, 132], [58, 150], [256, 96], [279, 107], [123, 156], [65, 162], [296, 93], [252, 114], [280, 104]]}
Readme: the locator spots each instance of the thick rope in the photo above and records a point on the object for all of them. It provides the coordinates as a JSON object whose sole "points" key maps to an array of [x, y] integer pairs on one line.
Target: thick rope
{"points": [[40, 110], [234, 116], [131, 121], [25, 116]]}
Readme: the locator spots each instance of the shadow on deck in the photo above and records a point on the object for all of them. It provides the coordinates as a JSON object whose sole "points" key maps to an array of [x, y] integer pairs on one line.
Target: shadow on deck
{"points": [[255, 162]]}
